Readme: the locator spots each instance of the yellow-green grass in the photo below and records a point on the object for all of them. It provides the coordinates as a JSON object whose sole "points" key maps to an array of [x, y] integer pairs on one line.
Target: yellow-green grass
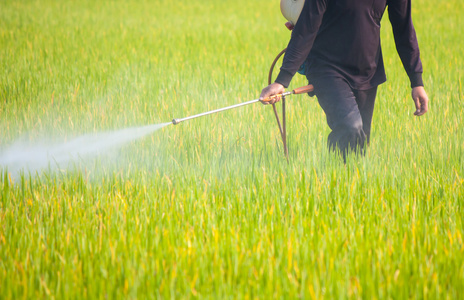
{"points": [[210, 208]]}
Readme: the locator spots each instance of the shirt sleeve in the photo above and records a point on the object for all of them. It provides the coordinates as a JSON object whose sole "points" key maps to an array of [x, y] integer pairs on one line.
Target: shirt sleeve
{"points": [[399, 12], [302, 39]]}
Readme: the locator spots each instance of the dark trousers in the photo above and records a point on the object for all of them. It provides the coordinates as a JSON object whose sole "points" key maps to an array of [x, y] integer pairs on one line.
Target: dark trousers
{"points": [[348, 111]]}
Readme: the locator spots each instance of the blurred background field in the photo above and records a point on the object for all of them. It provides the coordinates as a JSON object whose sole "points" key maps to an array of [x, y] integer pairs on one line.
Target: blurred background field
{"points": [[210, 208]]}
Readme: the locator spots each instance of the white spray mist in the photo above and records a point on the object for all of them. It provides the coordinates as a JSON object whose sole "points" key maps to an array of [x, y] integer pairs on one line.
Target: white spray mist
{"points": [[34, 157]]}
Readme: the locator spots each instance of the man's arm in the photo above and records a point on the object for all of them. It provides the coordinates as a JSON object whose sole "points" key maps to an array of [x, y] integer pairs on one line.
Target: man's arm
{"points": [[399, 12], [303, 36]]}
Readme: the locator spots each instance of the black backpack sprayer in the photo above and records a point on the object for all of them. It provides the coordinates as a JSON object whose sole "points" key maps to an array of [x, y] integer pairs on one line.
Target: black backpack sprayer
{"points": [[282, 126]]}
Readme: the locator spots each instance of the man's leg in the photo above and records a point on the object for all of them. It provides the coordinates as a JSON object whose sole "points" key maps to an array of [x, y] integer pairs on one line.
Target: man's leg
{"points": [[338, 101], [366, 101]]}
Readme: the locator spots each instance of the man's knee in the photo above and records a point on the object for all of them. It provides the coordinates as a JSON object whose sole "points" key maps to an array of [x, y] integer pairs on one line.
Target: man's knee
{"points": [[354, 129], [347, 135], [351, 125]]}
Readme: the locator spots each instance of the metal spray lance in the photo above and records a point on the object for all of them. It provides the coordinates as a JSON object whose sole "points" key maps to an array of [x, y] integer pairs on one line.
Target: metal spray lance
{"points": [[300, 90]]}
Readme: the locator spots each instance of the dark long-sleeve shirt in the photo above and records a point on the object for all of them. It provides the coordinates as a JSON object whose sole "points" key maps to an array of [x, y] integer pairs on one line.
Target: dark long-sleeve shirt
{"points": [[342, 38]]}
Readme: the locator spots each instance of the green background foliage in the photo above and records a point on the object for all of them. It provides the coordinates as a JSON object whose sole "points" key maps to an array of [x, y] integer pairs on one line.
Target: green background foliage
{"points": [[210, 207]]}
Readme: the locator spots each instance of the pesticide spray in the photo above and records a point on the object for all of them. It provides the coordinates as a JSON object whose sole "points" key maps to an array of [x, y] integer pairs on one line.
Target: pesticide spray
{"points": [[34, 157]]}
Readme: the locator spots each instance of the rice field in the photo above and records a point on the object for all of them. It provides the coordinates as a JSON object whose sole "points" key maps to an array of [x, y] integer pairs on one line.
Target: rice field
{"points": [[210, 208]]}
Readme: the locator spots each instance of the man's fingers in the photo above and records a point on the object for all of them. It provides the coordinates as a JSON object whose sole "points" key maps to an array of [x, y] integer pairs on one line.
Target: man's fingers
{"points": [[269, 95], [274, 99], [270, 100], [418, 106], [423, 107], [419, 109], [265, 93]]}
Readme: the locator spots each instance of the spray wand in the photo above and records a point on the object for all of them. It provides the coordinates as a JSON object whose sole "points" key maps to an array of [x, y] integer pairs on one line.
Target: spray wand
{"points": [[300, 90]]}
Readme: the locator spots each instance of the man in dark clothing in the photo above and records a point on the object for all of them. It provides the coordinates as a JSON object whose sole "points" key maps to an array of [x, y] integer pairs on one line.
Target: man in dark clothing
{"points": [[339, 43]]}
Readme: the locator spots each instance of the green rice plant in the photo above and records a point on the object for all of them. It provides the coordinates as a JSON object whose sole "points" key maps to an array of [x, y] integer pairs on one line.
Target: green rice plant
{"points": [[210, 208]]}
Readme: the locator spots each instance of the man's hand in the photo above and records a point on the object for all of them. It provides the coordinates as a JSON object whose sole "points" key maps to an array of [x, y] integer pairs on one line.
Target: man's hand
{"points": [[271, 90], [421, 100]]}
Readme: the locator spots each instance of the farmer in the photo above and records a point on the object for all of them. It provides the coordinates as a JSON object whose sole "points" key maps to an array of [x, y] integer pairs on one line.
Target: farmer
{"points": [[337, 43]]}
